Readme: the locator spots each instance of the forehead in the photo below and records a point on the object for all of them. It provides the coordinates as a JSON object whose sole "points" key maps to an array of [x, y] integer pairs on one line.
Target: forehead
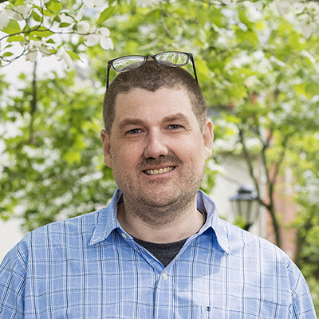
{"points": [[143, 103]]}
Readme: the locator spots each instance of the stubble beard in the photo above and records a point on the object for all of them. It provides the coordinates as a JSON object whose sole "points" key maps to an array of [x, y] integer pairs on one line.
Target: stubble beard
{"points": [[160, 209]]}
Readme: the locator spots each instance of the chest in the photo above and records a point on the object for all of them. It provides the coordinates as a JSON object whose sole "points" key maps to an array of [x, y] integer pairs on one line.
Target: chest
{"points": [[106, 283]]}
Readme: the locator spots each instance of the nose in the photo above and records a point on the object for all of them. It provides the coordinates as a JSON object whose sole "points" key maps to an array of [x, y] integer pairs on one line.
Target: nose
{"points": [[155, 145]]}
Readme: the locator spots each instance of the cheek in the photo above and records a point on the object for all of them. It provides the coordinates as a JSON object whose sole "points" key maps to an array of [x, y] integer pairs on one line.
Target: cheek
{"points": [[194, 148], [124, 159]]}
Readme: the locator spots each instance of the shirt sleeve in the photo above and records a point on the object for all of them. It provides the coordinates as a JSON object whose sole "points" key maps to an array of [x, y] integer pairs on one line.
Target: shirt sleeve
{"points": [[302, 306], [12, 284]]}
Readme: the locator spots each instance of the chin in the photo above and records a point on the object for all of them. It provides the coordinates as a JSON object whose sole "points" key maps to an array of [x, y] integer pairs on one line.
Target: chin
{"points": [[159, 200]]}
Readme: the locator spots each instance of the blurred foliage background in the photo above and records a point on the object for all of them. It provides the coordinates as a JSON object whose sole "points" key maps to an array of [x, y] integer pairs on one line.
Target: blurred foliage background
{"points": [[258, 70]]}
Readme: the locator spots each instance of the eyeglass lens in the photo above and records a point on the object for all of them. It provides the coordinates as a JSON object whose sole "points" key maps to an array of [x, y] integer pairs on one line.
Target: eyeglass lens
{"points": [[172, 58], [132, 62], [127, 63]]}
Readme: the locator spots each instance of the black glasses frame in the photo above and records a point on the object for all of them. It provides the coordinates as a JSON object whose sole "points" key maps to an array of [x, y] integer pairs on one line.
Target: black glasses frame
{"points": [[146, 57]]}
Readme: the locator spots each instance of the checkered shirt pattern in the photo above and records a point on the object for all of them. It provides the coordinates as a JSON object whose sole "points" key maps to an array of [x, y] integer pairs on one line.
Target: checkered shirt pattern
{"points": [[89, 267]]}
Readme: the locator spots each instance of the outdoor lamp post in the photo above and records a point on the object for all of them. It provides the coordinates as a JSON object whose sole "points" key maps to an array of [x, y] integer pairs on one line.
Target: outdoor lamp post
{"points": [[245, 203]]}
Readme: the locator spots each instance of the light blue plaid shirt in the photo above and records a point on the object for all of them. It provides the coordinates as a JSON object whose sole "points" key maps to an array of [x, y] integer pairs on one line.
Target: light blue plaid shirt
{"points": [[89, 267]]}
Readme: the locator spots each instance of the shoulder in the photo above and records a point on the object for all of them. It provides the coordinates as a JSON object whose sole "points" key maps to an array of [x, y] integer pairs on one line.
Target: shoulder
{"points": [[84, 224], [266, 256], [36, 244], [240, 240], [267, 264]]}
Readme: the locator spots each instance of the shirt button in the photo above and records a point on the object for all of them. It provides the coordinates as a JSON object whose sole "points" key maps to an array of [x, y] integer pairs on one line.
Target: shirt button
{"points": [[165, 276], [124, 236]]}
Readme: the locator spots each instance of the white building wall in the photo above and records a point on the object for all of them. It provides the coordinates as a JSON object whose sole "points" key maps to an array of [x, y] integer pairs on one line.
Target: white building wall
{"points": [[236, 175], [10, 235]]}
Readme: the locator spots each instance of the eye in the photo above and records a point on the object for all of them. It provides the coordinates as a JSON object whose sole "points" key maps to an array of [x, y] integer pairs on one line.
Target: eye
{"points": [[174, 126], [134, 131]]}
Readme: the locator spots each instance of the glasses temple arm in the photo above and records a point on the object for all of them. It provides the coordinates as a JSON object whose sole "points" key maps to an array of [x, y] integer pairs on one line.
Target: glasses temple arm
{"points": [[194, 68], [108, 75]]}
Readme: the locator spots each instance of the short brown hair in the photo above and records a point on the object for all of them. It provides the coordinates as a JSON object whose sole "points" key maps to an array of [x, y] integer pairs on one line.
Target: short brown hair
{"points": [[152, 76]]}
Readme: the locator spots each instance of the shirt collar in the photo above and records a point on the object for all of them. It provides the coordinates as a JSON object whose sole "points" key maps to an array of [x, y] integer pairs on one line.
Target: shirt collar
{"points": [[207, 205], [107, 220]]}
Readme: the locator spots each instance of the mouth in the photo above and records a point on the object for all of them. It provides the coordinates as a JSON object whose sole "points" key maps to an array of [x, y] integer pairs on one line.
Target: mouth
{"points": [[159, 171]]}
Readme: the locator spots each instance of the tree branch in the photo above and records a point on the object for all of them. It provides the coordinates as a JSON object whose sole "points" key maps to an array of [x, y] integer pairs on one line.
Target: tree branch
{"points": [[271, 187], [250, 167], [33, 104], [280, 161], [165, 26], [263, 154], [9, 61], [271, 206], [269, 138]]}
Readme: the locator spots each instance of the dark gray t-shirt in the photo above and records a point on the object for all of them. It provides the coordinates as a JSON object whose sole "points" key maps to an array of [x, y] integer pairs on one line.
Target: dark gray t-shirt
{"points": [[165, 253]]}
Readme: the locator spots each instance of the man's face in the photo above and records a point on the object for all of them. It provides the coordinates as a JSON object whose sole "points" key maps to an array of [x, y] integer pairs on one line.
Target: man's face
{"points": [[156, 149]]}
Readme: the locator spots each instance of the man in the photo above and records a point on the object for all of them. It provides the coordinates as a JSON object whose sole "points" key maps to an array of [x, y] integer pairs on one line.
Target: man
{"points": [[158, 250]]}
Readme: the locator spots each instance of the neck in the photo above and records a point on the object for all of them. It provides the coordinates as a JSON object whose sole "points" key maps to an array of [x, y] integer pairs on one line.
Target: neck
{"points": [[160, 225]]}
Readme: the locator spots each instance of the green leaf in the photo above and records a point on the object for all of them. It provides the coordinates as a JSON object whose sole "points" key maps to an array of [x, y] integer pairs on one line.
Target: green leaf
{"points": [[64, 25], [203, 70], [16, 38], [7, 54], [216, 17], [201, 35], [47, 13], [57, 19], [202, 15], [106, 14], [154, 15], [249, 36], [72, 157], [312, 89], [50, 41], [300, 89], [43, 11], [54, 6], [12, 27], [18, 2], [34, 38], [294, 41], [73, 55], [27, 28], [41, 32], [243, 18], [36, 17], [178, 11]]}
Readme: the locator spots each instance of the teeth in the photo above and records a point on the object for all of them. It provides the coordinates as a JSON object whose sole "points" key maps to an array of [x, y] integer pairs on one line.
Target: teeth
{"points": [[159, 171]]}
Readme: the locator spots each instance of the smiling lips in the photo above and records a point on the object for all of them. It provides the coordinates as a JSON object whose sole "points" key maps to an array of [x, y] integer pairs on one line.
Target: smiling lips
{"points": [[159, 171]]}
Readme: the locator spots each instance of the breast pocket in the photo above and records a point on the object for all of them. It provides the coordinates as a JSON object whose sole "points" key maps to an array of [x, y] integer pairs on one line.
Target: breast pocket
{"points": [[194, 312]]}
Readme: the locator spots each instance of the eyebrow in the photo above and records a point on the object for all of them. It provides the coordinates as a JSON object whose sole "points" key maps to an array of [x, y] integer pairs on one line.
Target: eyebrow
{"points": [[177, 116], [170, 118], [129, 121]]}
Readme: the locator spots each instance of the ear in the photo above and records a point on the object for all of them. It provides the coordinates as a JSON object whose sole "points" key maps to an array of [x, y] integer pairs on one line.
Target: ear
{"points": [[208, 138], [106, 148]]}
